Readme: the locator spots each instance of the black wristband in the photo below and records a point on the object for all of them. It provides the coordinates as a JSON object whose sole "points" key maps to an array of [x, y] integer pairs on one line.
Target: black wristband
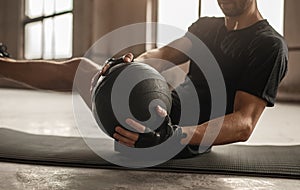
{"points": [[164, 132]]}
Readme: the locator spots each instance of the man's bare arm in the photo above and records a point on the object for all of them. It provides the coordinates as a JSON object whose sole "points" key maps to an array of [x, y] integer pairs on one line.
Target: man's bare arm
{"points": [[236, 127], [167, 53]]}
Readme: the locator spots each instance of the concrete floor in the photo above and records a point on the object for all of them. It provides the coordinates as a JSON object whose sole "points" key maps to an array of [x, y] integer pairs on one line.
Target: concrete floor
{"points": [[52, 114], [28, 177]]}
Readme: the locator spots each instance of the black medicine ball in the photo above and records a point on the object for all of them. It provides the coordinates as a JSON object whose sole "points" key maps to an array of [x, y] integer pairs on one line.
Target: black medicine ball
{"points": [[145, 89]]}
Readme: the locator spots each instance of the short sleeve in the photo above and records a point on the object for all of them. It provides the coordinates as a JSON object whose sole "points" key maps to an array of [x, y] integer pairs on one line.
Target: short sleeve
{"points": [[203, 26], [196, 26], [266, 68]]}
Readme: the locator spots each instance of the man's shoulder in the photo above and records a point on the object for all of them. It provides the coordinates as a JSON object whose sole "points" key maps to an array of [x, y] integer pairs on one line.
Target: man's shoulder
{"points": [[206, 24], [267, 36], [213, 18], [210, 20]]}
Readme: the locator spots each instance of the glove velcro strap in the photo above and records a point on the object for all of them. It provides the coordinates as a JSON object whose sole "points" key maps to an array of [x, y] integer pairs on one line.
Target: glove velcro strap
{"points": [[164, 132]]}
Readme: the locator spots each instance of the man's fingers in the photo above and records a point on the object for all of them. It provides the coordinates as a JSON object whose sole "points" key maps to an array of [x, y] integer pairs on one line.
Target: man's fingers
{"points": [[129, 145], [128, 134], [137, 126], [128, 57], [124, 140], [161, 112]]}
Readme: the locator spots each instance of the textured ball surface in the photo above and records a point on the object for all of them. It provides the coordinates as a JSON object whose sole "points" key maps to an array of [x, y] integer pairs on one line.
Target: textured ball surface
{"points": [[150, 90]]}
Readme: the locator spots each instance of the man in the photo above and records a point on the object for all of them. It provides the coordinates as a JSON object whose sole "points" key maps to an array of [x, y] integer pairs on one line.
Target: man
{"points": [[253, 60], [250, 53]]}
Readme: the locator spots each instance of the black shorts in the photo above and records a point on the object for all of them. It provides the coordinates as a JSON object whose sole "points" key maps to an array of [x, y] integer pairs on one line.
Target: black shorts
{"points": [[189, 150], [175, 109]]}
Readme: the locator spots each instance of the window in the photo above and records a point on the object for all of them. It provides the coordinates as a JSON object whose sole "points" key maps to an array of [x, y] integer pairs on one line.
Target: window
{"points": [[48, 29], [176, 13], [272, 11]]}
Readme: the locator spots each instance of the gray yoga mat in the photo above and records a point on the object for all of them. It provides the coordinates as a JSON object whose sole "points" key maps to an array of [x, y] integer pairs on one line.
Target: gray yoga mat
{"points": [[272, 161]]}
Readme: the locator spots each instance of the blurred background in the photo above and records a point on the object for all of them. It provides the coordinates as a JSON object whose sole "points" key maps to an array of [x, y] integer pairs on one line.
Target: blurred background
{"points": [[62, 29]]}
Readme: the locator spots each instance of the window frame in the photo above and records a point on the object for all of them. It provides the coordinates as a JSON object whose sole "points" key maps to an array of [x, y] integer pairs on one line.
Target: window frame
{"points": [[27, 20]]}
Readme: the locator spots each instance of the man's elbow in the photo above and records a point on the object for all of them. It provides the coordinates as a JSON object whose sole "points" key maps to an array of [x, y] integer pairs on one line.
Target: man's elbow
{"points": [[246, 131]]}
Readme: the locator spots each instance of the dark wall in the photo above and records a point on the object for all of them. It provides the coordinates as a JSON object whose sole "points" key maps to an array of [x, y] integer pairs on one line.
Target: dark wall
{"points": [[95, 18], [11, 28], [290, 87]]}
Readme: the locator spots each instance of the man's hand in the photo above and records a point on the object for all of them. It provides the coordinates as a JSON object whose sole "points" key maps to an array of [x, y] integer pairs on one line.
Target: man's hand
{"points": [[127, 58], [146, 137]]}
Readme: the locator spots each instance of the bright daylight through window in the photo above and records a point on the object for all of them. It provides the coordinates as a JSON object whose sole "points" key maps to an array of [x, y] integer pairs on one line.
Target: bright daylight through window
{"points": [[176, 13], [48, 29]]}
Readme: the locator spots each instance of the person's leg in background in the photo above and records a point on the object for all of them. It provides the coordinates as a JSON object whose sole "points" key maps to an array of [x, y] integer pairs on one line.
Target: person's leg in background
{"points": [[49, 75]]}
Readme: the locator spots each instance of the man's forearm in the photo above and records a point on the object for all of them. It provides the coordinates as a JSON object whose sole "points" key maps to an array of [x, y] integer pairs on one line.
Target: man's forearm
{"points": [[232, 128]]}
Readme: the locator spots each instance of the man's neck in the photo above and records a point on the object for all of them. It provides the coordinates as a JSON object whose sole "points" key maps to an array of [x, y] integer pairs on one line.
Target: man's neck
{"points": [[245, 20]]}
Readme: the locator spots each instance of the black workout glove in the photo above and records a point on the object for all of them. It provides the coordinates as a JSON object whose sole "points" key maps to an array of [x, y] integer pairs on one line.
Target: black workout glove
{"points": [[152, 138]]}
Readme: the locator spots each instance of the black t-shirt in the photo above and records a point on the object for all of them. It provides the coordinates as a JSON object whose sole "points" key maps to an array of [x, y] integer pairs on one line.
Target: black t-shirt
{"points": [[253, 60]]}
